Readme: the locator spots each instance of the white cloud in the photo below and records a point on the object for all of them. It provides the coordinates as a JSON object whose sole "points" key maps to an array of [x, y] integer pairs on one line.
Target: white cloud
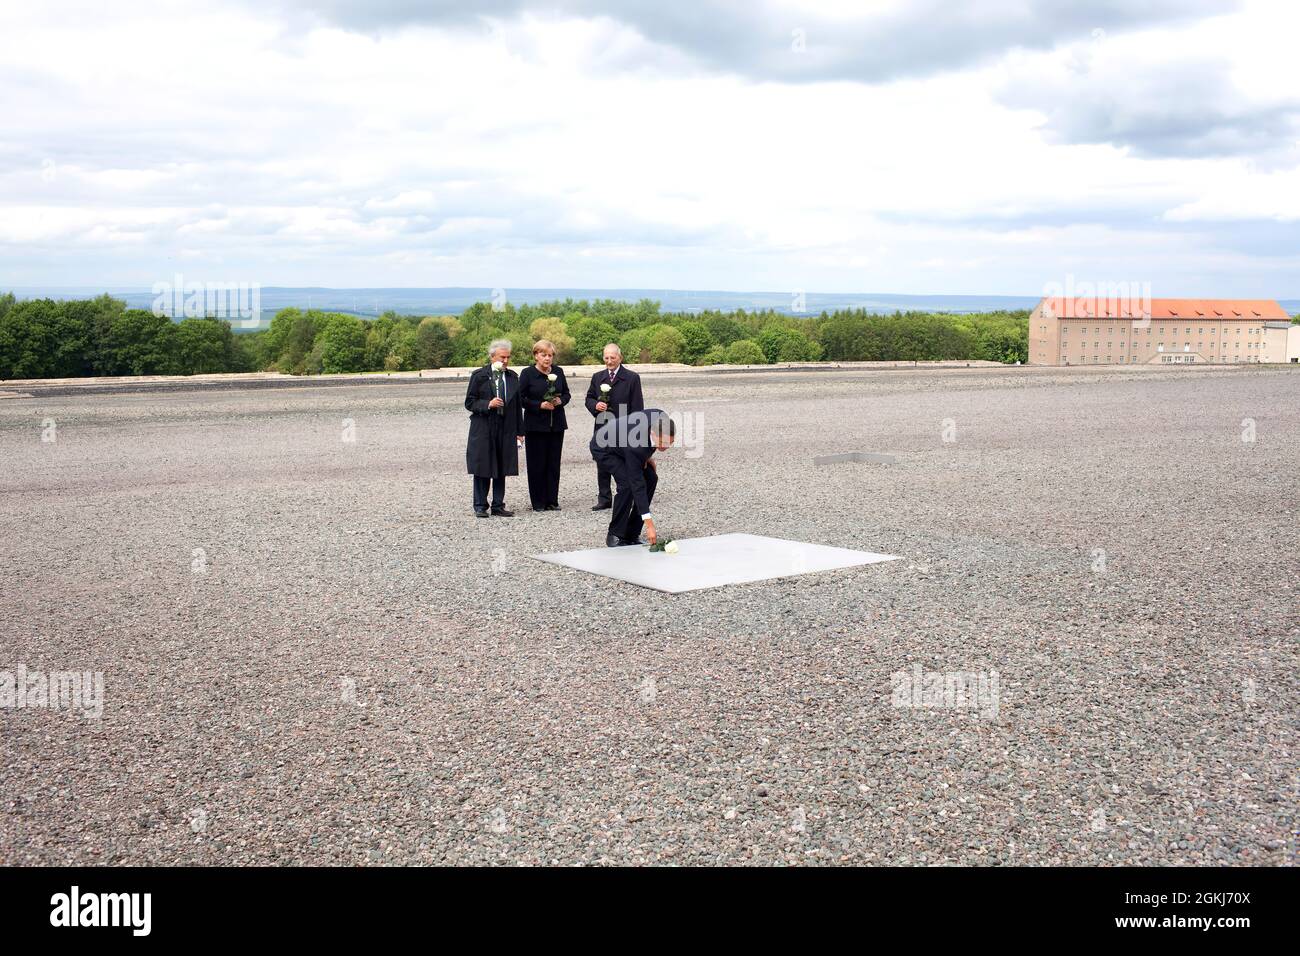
{"points": [[592, 150], [1242, 195], [1222, 86]]}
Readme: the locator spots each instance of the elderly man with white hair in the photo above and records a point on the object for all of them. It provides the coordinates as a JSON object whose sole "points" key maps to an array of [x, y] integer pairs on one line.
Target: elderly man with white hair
{"points": [[496, 429], [615, 391]]}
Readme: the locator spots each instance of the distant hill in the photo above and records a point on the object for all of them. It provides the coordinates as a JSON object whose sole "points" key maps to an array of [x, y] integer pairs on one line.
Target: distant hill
{"points": [[454, 300]]}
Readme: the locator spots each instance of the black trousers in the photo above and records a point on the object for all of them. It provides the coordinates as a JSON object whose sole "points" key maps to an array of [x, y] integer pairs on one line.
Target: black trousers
{"points": [[481, 492], [626, 521], [543, 450], [602, 484]]}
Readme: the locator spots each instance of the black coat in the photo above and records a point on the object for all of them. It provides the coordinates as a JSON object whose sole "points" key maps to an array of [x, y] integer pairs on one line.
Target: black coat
{"points": [[532, 386], [491, 451], [624, 397], [624, 447]]}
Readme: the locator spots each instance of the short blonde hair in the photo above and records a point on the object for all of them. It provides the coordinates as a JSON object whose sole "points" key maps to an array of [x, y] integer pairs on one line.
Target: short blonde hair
{"points": [[544, 345]]}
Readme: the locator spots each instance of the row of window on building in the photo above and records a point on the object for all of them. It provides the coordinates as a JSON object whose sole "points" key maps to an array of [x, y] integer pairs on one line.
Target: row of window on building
{"points": [[1161, 330], [1174, 357], [1159, 342], [1172, 344]]}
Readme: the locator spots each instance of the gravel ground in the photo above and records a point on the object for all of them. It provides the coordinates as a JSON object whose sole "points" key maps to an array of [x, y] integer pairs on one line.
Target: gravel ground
{"points": [[313, 653]]}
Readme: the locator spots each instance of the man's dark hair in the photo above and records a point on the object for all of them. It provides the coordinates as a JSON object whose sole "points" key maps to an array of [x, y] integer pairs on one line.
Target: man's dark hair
{"points": [[663, 423]]}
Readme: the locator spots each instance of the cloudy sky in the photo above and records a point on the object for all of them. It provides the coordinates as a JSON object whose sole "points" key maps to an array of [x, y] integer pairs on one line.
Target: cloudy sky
{"points": [[906, 146]]}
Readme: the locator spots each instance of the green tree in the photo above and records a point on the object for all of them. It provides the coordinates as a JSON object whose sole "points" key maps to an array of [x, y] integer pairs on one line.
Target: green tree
{"points": [[432, 344], [377, 344], [554, 330], [847, 338], [70, 329], [100, 336], [25, 339], [745, 352], [471, 348], [98, 315], [244, 352], [340, 345], [142, 343], [448, 322], [696, 340], [714, 356], [781, 344], [377, 332], [634, 345], [654, 343], [667, 344], [723, 330], [204, 346], [277, 335], [289, 339], [624, 317], [999, 336], [590, 336], [403, 346]]}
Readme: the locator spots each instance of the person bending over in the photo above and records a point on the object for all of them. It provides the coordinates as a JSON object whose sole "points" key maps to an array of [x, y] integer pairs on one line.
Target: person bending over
{"points": [[624, 446]]}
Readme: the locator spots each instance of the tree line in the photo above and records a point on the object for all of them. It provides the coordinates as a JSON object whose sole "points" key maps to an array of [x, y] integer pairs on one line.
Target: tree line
{"points": [[45, 338]]}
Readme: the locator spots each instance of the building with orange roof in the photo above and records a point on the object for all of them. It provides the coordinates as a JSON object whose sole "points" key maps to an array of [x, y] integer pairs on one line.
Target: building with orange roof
{"points": [[1144, 331]]}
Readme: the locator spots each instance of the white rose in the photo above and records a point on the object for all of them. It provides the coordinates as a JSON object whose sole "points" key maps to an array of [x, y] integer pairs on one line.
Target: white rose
{"points": [[670, 547], [497, 366], [552, 377], [605, 387]]}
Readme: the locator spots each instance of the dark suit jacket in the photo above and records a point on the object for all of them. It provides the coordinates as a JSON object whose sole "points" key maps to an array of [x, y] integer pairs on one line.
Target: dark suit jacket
{"points": [[532, 386], [624, 447], [624, 397], [491, 433]]}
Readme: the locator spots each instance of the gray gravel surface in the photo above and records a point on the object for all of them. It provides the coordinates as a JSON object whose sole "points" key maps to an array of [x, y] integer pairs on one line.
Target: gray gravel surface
{"points": [[313, 653]]}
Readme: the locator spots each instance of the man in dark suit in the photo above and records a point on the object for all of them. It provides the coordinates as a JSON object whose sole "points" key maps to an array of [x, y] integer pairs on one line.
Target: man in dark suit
{"points": [[624, 447], [622, 396], [496, 427]]}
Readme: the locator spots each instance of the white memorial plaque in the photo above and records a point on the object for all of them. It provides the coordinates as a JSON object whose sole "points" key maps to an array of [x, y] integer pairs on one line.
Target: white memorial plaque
{"points": [[713, 562]]}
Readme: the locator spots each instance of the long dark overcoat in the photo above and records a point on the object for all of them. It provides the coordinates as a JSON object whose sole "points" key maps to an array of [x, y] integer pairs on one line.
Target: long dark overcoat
{"points": [[491, 451]]}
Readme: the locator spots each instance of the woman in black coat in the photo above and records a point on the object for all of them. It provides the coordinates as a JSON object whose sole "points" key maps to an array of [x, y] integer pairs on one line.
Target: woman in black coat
{"points": [[496, 425], [544, 425]]}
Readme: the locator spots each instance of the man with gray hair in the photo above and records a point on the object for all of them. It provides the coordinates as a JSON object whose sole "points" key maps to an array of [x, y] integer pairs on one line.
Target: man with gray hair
{"points": [[496, 429], [614, 392]]}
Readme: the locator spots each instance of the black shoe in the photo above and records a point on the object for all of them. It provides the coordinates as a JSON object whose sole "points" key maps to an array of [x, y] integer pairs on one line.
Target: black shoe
{"points": [[602, 506], [614, 541], [501, 512], [552, 508], [480, 513]]}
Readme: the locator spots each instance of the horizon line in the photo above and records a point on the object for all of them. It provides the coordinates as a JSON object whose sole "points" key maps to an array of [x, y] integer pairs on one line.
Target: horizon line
{"points": [[523, 288]]}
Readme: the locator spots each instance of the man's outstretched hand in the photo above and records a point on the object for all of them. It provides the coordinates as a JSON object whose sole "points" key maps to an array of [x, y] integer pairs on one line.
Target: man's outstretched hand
{"points": [[650, 533]]}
